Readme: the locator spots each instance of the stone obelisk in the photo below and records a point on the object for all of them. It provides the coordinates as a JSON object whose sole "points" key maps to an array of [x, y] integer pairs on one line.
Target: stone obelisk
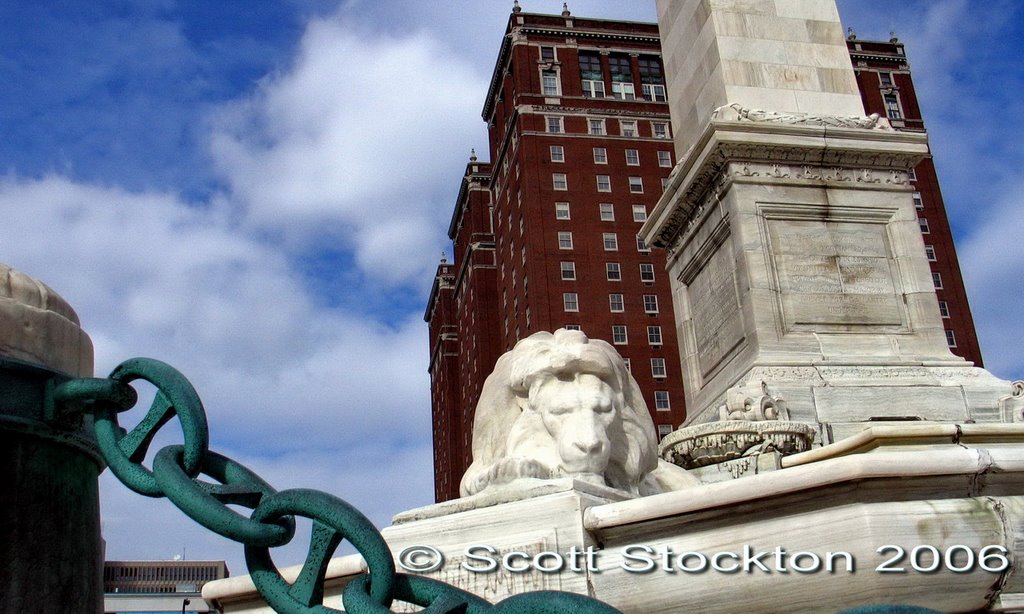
{"points": [[793, 243]]}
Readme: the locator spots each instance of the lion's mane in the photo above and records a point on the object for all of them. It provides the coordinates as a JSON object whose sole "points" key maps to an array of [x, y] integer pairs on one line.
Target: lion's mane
{"points": [[510, 442]]}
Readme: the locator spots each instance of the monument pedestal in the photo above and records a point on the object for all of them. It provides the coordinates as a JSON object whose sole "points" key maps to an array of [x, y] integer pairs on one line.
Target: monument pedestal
{"points": [[797, 260]]}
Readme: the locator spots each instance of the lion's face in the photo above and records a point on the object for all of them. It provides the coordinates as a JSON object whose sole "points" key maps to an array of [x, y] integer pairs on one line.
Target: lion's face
{"points": [[561, 404], [577, 411]]}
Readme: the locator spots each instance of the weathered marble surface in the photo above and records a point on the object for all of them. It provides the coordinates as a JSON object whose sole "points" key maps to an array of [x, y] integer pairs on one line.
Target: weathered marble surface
{"points": [[785, 56], [39, 327], [912, 486], [562, 405]]}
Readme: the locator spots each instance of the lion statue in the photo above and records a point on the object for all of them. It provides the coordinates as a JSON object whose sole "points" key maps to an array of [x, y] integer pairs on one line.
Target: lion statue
{"points": [[562, 405]]}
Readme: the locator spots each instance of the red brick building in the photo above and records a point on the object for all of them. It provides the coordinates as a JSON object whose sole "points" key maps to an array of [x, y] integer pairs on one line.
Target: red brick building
{"points": [[883, 75], [545, 234]]}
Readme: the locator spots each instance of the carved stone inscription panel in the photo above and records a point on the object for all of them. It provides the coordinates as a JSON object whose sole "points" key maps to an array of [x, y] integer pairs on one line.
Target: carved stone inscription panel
{"points": [[715, 309], [834, 274]]}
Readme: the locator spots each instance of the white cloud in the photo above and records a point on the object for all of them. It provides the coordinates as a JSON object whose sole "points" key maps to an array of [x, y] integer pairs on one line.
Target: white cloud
{"points": [[302, 394], [367, 135]]}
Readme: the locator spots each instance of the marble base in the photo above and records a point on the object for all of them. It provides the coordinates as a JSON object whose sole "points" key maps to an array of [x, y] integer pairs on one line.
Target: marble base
{"points": [[952, 488]]}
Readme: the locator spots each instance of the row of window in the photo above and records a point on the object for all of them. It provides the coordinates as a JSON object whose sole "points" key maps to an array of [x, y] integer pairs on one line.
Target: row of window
{"points": [[606, 211], [608, 239], [560, 183], [555, 124], [601, 156], [612, 269], [571, 303], [616, 304], [594, 79]]}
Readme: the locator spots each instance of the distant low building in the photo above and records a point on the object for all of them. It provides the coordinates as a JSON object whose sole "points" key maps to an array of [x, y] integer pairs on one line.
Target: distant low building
{"points": [[158, 586]]}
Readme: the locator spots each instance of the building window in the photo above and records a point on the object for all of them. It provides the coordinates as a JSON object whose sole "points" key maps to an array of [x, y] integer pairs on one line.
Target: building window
{"points": [[622, 78], [570, 302], [557, 153], [650, 303], [627, 127], [885, 78], [659, 130], [632, 157], [564, 240], [555, 125], [571, 327], [912, 174], [665, 159], [654, 335], [636, 185], [664, 183], [591, 74], [937, 280], [611, 241], [664, 430], [646, 272], [549, 82], [614, 273], [629, 367], [559, 182], [596, 126], [607, 212], [918, 202], [944, 309], [950, 339], [547, 54], [615, 304], [600, 155], [604, 183], [561, 211], [652, 79], [661, 400], [929, 252], [568, 271], [639, 213], [923, 223], [619, 335], [641, 246], [658, 367], [892, 106]]}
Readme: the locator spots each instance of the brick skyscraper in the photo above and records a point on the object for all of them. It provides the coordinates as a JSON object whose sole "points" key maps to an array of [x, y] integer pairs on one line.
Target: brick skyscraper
{"points": [[545, 234], [886, 88]]}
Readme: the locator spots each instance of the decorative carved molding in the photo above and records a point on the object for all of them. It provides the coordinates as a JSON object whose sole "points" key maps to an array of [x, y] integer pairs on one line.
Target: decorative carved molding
{"points": [[566, 110], [1011, 407], [738, 112], [741, 405], [716, 442], [767, 162]]}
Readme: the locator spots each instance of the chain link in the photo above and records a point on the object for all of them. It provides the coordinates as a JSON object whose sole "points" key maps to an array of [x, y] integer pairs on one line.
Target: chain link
{"points": [[272, 523]]}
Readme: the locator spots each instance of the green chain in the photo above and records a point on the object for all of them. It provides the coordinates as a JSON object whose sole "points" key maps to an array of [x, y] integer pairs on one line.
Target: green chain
{"points": [[175, 474]]}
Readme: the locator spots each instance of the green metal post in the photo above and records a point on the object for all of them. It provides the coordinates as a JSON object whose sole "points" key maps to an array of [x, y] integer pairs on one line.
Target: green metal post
{"points": [[50, 544]]}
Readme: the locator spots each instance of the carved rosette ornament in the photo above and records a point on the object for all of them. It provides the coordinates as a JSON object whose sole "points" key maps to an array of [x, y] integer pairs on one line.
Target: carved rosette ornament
{"points": [[751, 423]]}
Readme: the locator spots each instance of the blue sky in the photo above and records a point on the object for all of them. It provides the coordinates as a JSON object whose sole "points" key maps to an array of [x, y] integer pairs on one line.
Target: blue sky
{"points": [[257, 193]]}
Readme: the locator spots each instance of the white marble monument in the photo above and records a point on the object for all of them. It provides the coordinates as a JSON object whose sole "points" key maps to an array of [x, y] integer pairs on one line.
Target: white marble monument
{"points": [[793, 243]]}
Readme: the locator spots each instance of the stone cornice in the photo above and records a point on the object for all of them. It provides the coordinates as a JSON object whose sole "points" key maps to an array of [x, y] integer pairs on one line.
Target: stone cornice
{"points": [[809, 150]]}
